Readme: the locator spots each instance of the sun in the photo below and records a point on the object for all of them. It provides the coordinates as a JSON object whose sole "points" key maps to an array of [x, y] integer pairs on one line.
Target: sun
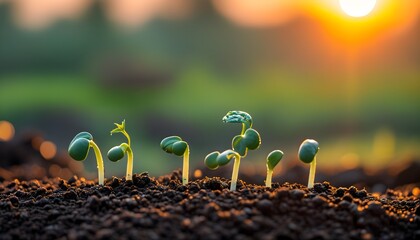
{"points": [[357, 8]]}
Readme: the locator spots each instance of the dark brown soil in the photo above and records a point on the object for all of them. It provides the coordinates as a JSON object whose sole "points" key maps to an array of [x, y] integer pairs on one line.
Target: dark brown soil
{"points": [[149, 208]]}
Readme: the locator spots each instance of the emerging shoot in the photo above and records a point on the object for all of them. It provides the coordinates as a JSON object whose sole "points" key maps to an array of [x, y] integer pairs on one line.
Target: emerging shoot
{"points": [[79, 150], [117, 153], [249, 138], [307, 154], [273, 159], [216, 159], [175, 145]]}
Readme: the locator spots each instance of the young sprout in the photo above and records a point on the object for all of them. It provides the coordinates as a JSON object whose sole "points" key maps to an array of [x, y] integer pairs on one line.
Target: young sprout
{"points": [[117, 153], [175, 145], [216, 159], [273, 159], [307, 154], [79, 149], [249, 138]]}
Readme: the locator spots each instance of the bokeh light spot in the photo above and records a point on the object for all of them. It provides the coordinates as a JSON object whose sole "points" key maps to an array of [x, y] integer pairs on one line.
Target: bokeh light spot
{"points": [[198, 173], [48, 150], [7, 131], [416, 191]]}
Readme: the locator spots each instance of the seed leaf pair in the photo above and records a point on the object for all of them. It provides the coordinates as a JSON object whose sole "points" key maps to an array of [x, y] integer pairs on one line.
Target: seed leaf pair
{"points": [[79, 150], [216, 159], [249, 140], [80, 145], [174, 144], [177, 146]]}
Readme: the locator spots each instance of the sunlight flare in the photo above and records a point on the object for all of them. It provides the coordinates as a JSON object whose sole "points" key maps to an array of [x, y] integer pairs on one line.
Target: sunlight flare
{"points": [[357, 8]]}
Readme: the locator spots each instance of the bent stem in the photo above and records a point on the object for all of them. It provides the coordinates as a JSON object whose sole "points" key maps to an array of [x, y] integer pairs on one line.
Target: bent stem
{"points": [[127, 136], [129, 173], [185, 166], [99, 162], [312, 173], [235, 172], [245, 126], [268, 179]]}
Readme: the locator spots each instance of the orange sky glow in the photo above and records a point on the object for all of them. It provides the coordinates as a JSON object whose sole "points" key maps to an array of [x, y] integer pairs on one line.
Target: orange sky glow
{"points": [[331, 29], [388, 17]]}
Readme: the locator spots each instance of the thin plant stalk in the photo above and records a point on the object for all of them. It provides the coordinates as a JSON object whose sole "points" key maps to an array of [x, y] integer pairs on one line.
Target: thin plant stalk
{"points": [[268, 178], [312, 173], [127, 136], [235, 172], [245, 126], [99, 161], [185, 166], [129, 173]]}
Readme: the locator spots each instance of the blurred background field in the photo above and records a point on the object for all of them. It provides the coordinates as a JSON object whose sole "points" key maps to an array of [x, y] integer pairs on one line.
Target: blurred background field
{"points": [[302, 69]]}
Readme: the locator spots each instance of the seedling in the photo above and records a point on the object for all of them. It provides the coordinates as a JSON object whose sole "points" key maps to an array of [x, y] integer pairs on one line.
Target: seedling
{"points": [[117, 153], [216, 159], [79, 150], [175, 145], [273, 159], [307, 154], [249, 137]]}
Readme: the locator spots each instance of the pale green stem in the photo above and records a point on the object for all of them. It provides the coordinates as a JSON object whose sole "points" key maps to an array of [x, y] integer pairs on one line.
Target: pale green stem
{"points": [[235, 172], [127, 136], [245, 126], [269, 176], [99, 162], [185, 166], [312, 173], [129, 173]]}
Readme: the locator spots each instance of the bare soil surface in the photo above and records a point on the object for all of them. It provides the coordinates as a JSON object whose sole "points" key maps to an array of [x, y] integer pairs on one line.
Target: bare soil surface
{"points": [[162, 208]]}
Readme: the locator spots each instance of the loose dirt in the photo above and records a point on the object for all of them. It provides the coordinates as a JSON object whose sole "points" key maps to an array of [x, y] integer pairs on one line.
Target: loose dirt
{"points": [[162, 208]]}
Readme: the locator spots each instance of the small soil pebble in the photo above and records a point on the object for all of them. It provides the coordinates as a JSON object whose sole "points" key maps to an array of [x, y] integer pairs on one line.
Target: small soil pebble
{"points": [[297, 194], [375, 207], [14, 200], [265, 206], [162, 208]]}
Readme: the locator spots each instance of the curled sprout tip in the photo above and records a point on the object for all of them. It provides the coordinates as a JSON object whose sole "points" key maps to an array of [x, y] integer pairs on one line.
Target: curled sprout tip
{"points": [[237, 117], [119, 127]]}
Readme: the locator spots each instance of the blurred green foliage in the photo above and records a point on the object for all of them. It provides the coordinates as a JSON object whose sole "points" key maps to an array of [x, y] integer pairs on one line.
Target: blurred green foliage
{"points": [[55, 80]]}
